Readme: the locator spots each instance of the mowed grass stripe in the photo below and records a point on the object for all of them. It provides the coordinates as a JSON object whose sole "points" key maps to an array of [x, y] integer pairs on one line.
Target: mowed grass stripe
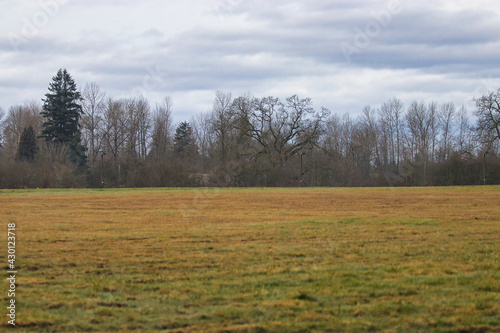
{"points": [[257, 260]]}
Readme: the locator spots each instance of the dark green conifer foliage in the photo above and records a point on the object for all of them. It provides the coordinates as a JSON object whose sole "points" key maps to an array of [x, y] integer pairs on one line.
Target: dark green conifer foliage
{"points": [[28, 146], [62, 112], [183, 138]]}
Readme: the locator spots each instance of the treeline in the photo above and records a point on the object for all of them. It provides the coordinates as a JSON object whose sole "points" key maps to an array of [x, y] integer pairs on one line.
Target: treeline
{"points": [[244, 141]]}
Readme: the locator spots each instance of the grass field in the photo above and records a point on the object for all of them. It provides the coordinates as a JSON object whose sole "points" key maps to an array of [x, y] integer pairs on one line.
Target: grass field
{"points": [[255, 260]]}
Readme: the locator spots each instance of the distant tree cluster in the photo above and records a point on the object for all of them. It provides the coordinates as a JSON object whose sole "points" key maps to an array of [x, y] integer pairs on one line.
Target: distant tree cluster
{"points": [[86, 139]]}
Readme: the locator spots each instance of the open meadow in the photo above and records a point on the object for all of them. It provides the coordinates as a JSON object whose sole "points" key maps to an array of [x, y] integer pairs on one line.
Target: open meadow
{"points": [[255, 260]]}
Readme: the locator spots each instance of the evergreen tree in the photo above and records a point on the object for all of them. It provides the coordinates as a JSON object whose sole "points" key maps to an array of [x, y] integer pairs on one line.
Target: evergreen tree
{"points": [[28, 146], [62, 112], [183, 139]]}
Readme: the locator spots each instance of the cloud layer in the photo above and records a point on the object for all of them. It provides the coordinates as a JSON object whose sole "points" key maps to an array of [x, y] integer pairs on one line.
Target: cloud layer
{"points": [[342, 54]]}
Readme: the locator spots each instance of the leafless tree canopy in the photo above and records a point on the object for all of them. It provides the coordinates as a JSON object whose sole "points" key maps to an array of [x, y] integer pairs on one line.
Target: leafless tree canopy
{"points": [[488, 114], [260, 141], [93, 107]]}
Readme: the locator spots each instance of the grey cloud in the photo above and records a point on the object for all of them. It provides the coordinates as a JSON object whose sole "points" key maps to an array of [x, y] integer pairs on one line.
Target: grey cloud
{"points": [[254, 45], [153, 33]]}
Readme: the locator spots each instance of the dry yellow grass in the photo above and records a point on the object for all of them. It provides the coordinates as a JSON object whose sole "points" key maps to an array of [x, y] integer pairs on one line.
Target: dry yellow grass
{"points": [[245, 260]]}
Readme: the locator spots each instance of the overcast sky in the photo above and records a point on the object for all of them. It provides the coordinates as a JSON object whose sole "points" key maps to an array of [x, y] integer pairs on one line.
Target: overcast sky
{"points": [[343, 54]]}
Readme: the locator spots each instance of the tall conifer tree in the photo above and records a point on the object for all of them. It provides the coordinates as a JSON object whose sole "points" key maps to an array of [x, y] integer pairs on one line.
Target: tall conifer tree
{"points": [[27, 145], [183, 138], [62, 112]]}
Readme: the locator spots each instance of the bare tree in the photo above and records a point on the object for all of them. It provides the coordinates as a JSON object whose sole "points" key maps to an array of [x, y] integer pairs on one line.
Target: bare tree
{"points": [[283, 129], [245, 146], [391, 117], [464, 139], [419, 123], [369, 125], [222, 119], [162, 130], [19, 118], [331, 138], [447, 115], [336, 145], [433, 114], [115, 127], [364, 146], [488, 114], [138, 124], [348, 149], [144, 124], [93, 106], [205, 137], [131, 128]]}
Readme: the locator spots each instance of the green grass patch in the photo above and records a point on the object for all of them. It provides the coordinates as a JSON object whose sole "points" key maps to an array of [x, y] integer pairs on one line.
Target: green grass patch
{"points": [[256, 260]]}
